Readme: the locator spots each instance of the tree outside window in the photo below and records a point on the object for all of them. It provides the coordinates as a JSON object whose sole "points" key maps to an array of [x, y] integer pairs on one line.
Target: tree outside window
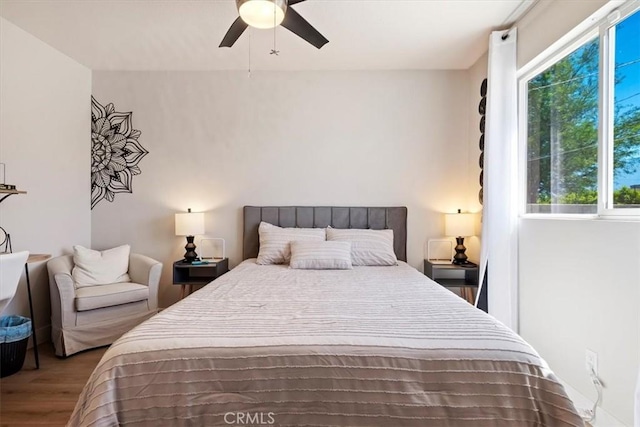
{"points": [[563, 122]]}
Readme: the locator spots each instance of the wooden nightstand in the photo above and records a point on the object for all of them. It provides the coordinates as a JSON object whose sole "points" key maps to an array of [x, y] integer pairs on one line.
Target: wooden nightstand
{"points": [[454, 276], [185, 274]]}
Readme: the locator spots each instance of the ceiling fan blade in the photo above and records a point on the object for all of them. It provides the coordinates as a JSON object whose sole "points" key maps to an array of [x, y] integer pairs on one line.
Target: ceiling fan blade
{"points": [[292, 2], [234, 33], [300, 27]]}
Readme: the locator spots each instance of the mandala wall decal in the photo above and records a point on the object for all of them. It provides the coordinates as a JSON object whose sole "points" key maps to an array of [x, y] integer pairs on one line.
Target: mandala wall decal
{"points": [[115, 152]]}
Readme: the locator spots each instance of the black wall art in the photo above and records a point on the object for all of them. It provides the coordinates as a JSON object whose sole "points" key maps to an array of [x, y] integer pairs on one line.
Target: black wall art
{"points": [[115, 152], [482, 302], [482, 109]]}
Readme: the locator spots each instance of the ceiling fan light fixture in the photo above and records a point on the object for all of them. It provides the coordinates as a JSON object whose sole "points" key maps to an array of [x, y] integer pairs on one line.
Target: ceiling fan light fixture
{"points": [[262, 13]]}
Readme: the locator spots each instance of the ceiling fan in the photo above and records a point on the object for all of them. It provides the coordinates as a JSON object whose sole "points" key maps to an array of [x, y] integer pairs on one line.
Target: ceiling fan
{"points": [[270, 14]]}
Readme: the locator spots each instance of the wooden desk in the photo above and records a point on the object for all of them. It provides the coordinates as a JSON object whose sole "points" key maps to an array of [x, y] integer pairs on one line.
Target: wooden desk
{"points": [[37, 258], [32, 259], [8, 193]]}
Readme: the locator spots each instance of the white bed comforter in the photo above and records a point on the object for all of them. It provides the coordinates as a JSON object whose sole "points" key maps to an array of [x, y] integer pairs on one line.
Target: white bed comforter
{"points": [[372, 346]]}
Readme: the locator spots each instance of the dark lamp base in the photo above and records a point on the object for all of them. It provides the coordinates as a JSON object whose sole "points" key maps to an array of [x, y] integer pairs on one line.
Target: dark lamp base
{"points": [[460, 257], [190, 247]]}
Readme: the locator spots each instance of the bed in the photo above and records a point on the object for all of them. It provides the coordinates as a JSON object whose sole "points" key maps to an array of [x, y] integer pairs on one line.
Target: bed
{"points": [[370, 346]]}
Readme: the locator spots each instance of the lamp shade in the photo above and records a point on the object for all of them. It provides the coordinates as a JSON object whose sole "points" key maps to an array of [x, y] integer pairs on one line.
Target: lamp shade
{"points": [[189, 223], [459, 224], [262, 13]]}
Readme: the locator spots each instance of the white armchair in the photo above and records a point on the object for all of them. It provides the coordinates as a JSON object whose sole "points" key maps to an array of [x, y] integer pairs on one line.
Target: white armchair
{"points": [[95, 316]]}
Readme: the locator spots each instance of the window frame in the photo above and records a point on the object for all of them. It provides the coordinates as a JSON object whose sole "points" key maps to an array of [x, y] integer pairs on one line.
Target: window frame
{"points": [[607, 29], [604, 30]]}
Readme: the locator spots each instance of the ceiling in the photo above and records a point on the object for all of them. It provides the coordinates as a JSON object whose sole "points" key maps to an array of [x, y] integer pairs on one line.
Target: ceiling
{"points": [[185, 34]]}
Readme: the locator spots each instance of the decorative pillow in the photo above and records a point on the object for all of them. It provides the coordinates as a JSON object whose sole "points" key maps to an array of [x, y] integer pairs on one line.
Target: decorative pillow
{"points": [[368, 247], [274, 241], [310, 255], [100, 267]]}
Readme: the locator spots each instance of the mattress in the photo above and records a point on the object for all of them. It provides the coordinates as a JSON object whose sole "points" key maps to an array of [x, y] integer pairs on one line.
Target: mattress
{"points": [[372, 346]]}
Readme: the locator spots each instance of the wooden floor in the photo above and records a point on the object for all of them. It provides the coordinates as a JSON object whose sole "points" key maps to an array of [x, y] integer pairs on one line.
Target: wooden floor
{"points": [[47, 396]]}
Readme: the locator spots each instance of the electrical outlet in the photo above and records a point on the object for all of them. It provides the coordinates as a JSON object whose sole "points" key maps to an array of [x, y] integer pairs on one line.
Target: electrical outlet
{"points": [[591, 361]]}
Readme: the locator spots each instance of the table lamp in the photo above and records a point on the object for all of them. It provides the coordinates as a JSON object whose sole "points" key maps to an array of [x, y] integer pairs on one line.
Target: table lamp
{"points": [[459, 225], [189, 224]]}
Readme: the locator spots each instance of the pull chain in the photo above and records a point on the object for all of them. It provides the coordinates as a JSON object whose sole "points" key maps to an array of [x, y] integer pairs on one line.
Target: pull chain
{"points": [[249, 74], [274, 51]]}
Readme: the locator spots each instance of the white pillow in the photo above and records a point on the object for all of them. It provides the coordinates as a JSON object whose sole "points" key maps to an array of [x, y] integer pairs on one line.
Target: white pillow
{"points": [[274, 242], [308, 255], [100, 267], [368, 247]]}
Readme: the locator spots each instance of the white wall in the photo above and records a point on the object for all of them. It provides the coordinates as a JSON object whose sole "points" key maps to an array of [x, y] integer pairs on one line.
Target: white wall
{"points": [[44, 141], [580, 279], [549, 21], [221, 140], [580, 289]]}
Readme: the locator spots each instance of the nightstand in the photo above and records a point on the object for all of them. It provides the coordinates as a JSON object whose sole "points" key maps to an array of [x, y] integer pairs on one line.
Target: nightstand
{"points": [[454, 276], [185, 274]]}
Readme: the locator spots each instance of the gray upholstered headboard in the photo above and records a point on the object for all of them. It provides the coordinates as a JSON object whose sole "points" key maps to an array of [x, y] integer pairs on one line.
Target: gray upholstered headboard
{"points": [[394, 218]]}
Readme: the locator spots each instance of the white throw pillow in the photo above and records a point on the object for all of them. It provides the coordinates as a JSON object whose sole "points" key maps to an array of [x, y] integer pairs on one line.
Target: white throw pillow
{"points": [[320, 255], [274, 242], [100, 267], [368, 247]]}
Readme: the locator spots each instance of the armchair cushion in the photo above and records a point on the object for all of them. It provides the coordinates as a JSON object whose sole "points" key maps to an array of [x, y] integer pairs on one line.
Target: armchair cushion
{"points": [[92, 297], [100, 267]]}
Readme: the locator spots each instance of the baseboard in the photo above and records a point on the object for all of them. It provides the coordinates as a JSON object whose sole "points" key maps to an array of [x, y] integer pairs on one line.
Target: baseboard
{"points": [[603, 418]]}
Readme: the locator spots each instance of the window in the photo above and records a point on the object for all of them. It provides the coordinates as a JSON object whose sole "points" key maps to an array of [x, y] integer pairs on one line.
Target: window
{"points": [[583, 125], [562, 135], [625, 113]]}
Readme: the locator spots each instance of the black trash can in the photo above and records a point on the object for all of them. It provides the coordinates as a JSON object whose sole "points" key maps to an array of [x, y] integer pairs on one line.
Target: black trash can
{"points": [[14, 337]]}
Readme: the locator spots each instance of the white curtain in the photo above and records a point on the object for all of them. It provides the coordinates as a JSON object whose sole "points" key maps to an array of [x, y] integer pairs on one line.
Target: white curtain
{"points": [[636, 422], [500, 214]]}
